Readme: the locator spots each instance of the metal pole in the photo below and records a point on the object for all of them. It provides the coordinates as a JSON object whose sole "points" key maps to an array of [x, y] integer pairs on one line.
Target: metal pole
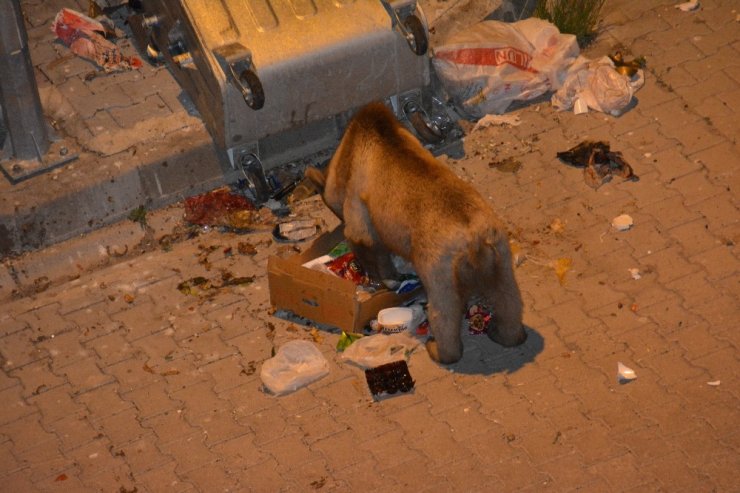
{"points": [[19, 94]]}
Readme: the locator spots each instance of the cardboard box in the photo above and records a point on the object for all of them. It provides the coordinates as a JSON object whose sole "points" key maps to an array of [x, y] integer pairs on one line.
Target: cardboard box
{"points": [[322, 297]]}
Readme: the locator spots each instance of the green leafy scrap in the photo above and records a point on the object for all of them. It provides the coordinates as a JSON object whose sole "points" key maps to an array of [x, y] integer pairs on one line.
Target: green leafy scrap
{"points": [[346, 339]]}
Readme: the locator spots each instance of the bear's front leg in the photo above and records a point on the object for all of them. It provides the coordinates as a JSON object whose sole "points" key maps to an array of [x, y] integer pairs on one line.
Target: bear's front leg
{"points": [[375, 260], [363, 240], [504, 297]]}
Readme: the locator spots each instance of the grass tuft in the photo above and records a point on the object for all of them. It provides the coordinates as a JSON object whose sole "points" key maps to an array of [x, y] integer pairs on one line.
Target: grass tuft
{"points": [[579, 17]]}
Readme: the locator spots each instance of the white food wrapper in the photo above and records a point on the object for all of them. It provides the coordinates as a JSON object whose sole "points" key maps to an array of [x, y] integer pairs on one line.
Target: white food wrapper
{"points": [[295, 365], [596, 85], [379, 349]]}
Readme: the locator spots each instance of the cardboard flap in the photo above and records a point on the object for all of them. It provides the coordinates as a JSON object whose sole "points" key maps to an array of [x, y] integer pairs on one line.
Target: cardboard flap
{"points": [[321, 246]]}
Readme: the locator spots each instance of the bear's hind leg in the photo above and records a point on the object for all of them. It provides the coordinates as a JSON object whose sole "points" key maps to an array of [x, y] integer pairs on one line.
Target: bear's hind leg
{"points": [[445, 311]]}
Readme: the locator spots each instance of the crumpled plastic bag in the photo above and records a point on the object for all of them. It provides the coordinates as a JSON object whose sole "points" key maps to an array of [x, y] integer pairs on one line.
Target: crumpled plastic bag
{"points": [[596, 85], [488, 66], [84, 36], [379, 349], [295, 365]]}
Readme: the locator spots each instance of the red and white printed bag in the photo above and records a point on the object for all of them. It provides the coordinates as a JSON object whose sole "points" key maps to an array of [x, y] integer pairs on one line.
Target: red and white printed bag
{"points": [[487, 67]]}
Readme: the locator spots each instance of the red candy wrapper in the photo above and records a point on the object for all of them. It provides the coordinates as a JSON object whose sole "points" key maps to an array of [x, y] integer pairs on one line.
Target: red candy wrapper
{"points": [[423, 328], [478, 317], [349, 268]]}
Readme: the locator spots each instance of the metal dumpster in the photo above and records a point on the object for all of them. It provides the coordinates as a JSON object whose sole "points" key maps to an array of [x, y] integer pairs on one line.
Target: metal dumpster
{"points": [[276, 80]]}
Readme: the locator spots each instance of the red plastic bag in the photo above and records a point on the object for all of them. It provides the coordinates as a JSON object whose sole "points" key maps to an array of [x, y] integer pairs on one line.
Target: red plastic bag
{"points": [[84, 36], [214, 208]]}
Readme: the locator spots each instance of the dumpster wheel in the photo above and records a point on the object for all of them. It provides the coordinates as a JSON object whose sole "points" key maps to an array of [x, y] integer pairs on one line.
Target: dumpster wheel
{"points": [[416, 34], [426, 129], [254, 95]]}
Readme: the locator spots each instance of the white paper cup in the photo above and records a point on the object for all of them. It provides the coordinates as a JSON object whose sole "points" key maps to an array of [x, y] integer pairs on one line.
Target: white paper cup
{"points": [[395, 320]]}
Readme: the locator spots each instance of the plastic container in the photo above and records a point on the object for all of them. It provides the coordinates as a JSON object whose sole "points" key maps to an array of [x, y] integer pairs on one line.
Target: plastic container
{"points": [[395, 320]]}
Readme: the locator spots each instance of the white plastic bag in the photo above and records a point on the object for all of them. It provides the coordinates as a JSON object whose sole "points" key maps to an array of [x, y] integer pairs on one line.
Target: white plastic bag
{"points": [[379, 349], [295, 365], [598, 86], [493, 63]]}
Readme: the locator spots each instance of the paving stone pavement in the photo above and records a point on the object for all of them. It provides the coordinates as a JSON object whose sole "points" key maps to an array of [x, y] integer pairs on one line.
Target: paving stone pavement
{"points": [[116, 381]]}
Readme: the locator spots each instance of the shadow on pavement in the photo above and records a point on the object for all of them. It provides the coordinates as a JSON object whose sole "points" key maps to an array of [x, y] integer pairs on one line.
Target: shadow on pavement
{"points": [[482, 356]]}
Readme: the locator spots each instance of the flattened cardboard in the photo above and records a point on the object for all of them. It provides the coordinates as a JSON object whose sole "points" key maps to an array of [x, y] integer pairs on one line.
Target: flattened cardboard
{"points": [[322, 297]]}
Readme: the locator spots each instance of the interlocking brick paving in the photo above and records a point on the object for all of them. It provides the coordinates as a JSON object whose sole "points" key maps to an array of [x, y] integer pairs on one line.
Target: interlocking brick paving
{"points": [[116, 381]]}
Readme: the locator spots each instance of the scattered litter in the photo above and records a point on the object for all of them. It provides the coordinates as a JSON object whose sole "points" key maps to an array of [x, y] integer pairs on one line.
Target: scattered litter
{"points": [[517, 254], [599, 163], [580, 106], [246, 248], [107, 4], [557, 226], [689, 6], [491, 64], [295, 231], [199, 285], [389, 380], [408, 285], [295, 365], [302, 190], [478, 318], [635, 273], [379, 349], [316, 335], [273, 205], [84, 36], [508, 165], [630, 68], [625, 374], [558, 435], [598, 85], [204, 251], [214, 208], [714, 383], [622, 222], [165, 373], [490, 120], [562, 266]]}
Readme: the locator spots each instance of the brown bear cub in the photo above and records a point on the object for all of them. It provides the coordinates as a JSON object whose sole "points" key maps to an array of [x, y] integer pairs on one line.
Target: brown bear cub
{"points": [[396, 198]]}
